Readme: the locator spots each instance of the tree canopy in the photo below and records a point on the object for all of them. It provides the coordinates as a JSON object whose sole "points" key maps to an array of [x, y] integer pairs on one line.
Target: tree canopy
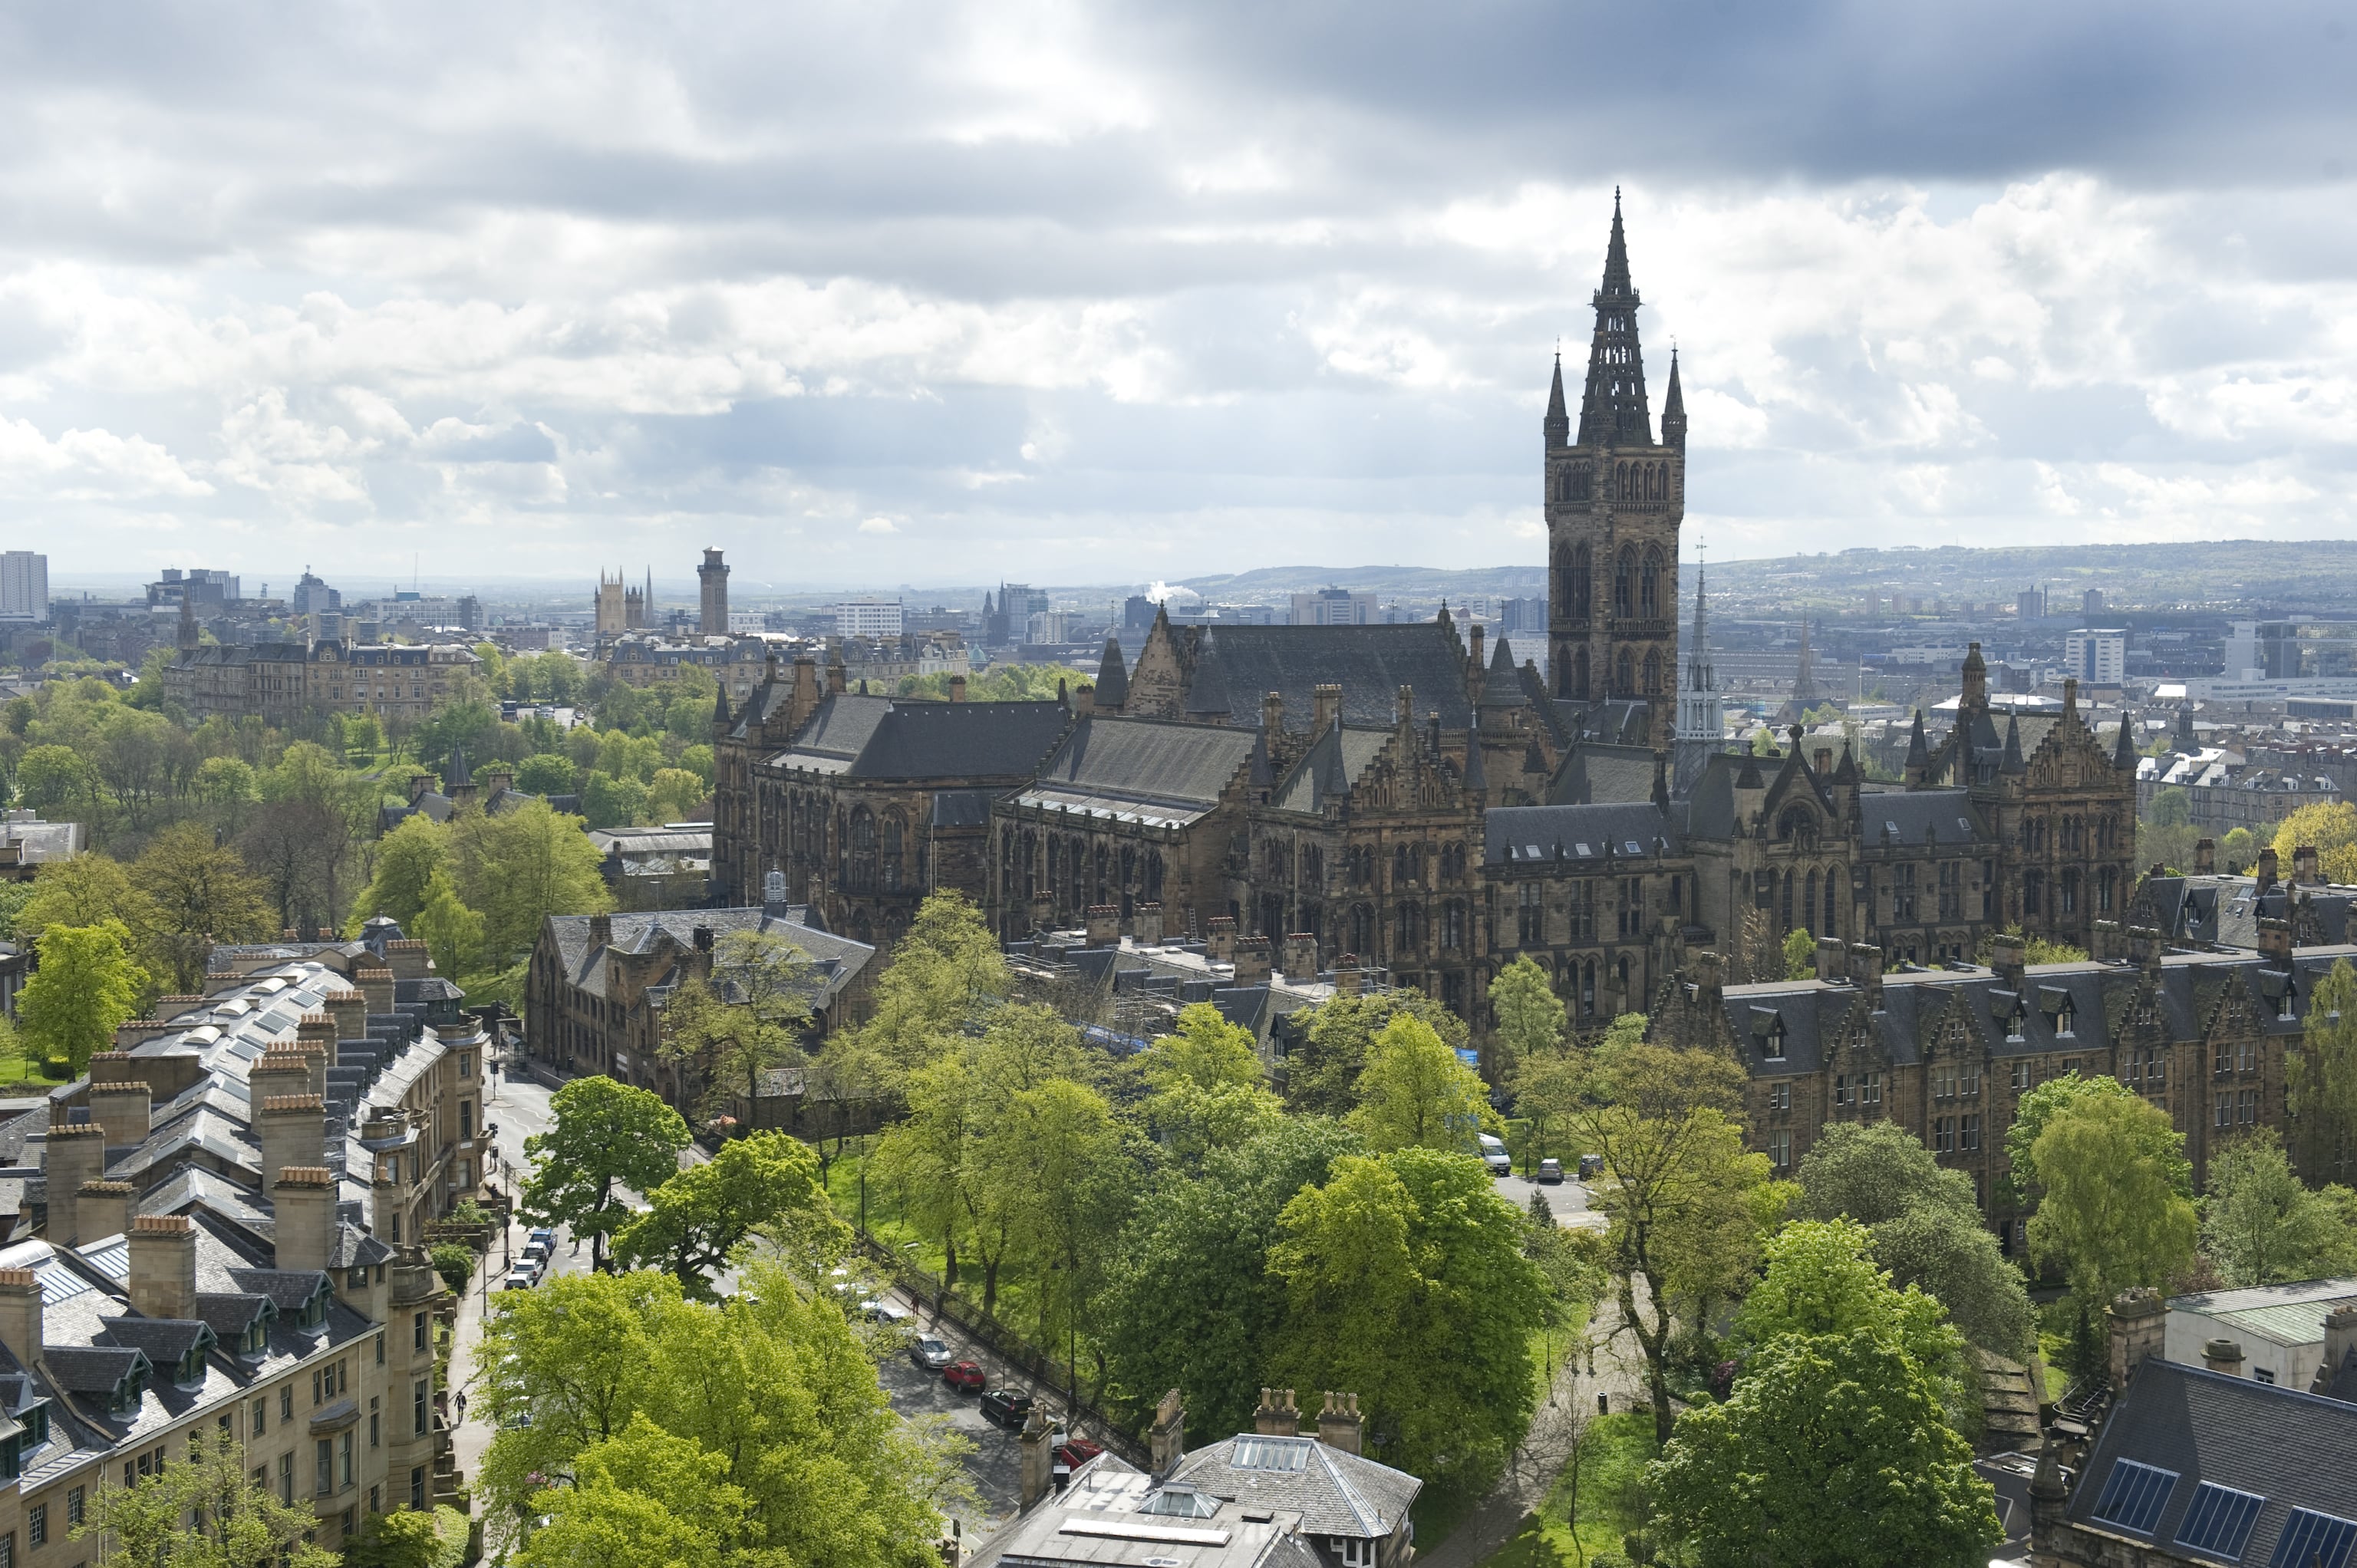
{"points": [[696, 1222], [603, 1138]]}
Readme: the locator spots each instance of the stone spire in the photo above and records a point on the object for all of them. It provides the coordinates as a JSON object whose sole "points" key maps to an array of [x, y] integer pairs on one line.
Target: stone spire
{"points": [[2013, 762], [1612, 409], [1917, 773], [1559, 422], [1673, 408], [1702, 716], [1112, 681], [2124, 757]]}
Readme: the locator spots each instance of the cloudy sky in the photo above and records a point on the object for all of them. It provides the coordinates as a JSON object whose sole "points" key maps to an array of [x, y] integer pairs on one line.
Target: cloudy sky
{"points": [[872, 293]]}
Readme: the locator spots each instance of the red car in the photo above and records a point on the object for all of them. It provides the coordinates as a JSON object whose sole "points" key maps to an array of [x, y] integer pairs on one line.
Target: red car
{"points": [[964, 1377], [1075, 1452]]}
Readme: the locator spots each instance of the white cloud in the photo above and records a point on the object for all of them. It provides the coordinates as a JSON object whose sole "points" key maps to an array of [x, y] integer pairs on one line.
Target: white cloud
{"points": [[878, 525]]}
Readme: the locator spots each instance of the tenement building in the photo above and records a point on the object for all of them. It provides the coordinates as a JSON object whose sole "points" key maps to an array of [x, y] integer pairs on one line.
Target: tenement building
{"points": [[231, 1229], [283, 681]]}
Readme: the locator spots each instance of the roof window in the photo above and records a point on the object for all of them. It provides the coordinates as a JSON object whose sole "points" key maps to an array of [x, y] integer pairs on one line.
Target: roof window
{"points": [[1263, 1453], [2218, 1524], [2134, 1496]]}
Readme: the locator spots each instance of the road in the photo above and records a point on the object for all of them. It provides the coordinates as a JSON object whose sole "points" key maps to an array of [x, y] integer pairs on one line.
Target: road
{"points": [[1568, 1199]]}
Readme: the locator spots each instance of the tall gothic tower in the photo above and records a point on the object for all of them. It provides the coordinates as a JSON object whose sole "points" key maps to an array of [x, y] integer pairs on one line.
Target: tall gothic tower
{"points": [[1614, 502], [1702, 716]]}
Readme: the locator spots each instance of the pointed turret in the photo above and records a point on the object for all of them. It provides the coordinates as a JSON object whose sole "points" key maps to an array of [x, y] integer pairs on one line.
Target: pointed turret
{"points": [[1661, 781], [1113, 680], [1919, 750], [1558, 419], [720, 708], [2124, 756], [1502, 687], [1673, 408], [1263, 775], [1443, 617], [1477, 777], [1612, 409], [455, 774], [2013, 762]]}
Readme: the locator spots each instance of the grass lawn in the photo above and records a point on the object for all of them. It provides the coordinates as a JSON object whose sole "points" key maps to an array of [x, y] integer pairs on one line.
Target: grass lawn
{"points": [[1612, 1466], [20, 1072]]}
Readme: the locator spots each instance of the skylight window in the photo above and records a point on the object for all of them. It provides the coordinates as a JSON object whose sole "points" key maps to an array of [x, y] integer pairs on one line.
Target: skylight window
{"points": [[1965, 823], [2219, 1522], [1584, 851], [1272, 1453], [2309, 1538], [2133, 1497], [1636, 848], [1891, 827]]}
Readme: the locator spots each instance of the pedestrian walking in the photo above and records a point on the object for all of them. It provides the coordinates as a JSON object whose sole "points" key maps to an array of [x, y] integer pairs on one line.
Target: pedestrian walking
{"points": [[462, 1407]]}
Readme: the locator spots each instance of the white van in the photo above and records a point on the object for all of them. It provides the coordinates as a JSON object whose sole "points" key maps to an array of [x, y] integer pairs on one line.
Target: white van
{"points": [[1493, 1153]]}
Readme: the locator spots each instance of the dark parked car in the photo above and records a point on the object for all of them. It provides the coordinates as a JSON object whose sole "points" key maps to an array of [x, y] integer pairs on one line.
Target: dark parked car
{"points": [[964, 1375], [1590, 1166], [1550, 1172], [1006, 1407]]}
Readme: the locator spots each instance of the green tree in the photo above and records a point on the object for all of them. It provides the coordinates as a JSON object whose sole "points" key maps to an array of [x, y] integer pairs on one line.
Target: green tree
{"points": [[1190, 1302], [945, 972], [2329, 827], [1055, 1163], [2259, 1225], [1208, 1087], [547, 773], [928, 1156], [1322, 1073], [1406, 1280], [519, 868], [773, 1382], [57, 782], [604, 1138], [1531, 1020], [1414, 1092], [236, 1522], [406, 860], [1800, 955], [1834, 1450], [644, 1496], [224, 786], [1549, 1086], [87, 890], [610, 802], [1684, 1197], [434, 1538], [673, 793], [2238, 850], [453, 934], [2114, 1215], [2171, 808], [695, 1222], [2048, 1100], [196, 894], [454, 1262], [1874, 1171], [1820, 1280], [86, 985], [2320, 1081]]}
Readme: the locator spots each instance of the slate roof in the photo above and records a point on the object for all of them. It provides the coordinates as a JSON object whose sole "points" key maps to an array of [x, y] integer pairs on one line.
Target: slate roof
{"points": [[1333, 765], [1518, 834], [1146, 770], [1922, 817], [1595, 771], [1370, 663], [1336, 1493], [2284, 1445], [876, 737], [838, 959]]}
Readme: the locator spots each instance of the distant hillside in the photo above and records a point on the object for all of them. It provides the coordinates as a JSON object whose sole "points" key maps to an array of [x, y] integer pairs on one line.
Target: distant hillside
{"points": [[1271, 584]]}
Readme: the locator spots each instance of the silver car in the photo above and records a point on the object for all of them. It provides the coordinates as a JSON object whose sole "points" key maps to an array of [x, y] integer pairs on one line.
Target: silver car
{"points": [[929, 1353]]}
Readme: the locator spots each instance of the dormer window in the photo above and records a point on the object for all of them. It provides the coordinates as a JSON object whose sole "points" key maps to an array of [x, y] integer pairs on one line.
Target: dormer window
{"points": [[130, 1390], [1768, 1031], [2014, 1022], [2066, 1020]]}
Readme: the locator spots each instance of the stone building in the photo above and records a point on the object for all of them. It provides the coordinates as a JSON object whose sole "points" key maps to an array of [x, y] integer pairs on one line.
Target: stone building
{"points": [[1948, 1053], [234, 1203], [621, 609], [280, 682], [712, 578], [598, 986]]}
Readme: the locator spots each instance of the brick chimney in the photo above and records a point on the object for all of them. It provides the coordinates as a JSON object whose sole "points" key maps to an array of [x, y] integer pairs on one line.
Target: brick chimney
{"points": [[1104, 925], [1168, 1437], [1146, 925], [2304, 867], [1324, 709], [2205, 856], [1349, 977], [1251, 961], [2138, 1321], [103, 1209], [1220, 938], [1278, 1416], [601, 930], [303, 1209], [1085, 700], [957, 688], [2267, 872], [349, 1008], [406, 958], [1271, 714], [2222, 1355], [120, 1066], [1866, 971], [1301, 956], [2275, 942], [20, 1315], [375, 981], [74, 1153], [1338, 1422], [123, 1109], [164, 1265], [292, 1130], [2340, 1344]]}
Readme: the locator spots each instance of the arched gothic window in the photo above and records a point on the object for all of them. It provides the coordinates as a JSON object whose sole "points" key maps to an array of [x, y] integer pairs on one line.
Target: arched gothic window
{"points": [[860, 875], [891, 862], [1649, 585], [1653, 672], [1579, 582], [1624, 587], [1628, 683]]}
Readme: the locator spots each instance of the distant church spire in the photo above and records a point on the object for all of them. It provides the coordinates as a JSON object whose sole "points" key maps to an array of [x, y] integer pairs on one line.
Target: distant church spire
{"points": [[1673, 408], [1559, 422], [1702, 716], [1612, 411]]}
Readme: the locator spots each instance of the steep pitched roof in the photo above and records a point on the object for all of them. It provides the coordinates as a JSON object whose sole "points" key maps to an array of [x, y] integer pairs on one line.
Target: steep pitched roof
{"points": [[1333, 765], [876, 737], [1150, 770], [1336, 1493], [1370, 663]]}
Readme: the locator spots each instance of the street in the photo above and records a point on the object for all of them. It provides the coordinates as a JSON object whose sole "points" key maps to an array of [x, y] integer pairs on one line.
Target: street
{"points": [[1568, 1199]]}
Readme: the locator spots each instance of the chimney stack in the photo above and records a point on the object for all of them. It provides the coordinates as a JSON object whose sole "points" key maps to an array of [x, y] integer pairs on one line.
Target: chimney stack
{"points": [[1278, 1416], [164, 1265], [2222, 1355], [1271, 714], [2305, 867], [375, 983], [2266, 873], [2340, 1345], [2275, 942], [1830, 956], [1220, 938], [2008, 956], [103, 1209], [1866, 971], [957, 688], [2138, 1321], [1103, 925], [303, 1209], [2205, 856], [1038, 1465], [1349, 979], [20, 1315], [1300, 957], [74, 1153], [291, 1129], [123, 1109], [1326, 709], [1146, 926], [1168, 1436], [1251, 961], [1338, 1423]]}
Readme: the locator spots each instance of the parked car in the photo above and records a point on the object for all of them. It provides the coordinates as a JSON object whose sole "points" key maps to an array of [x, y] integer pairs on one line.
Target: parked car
{"points": [[1493, 1153], [520, 1277], [1075, 1452], [1550, 1172], [966, 1377], [536, 1253], [545, 1236], [1590, 1166], [1006, 1407], [929, 1353]]}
